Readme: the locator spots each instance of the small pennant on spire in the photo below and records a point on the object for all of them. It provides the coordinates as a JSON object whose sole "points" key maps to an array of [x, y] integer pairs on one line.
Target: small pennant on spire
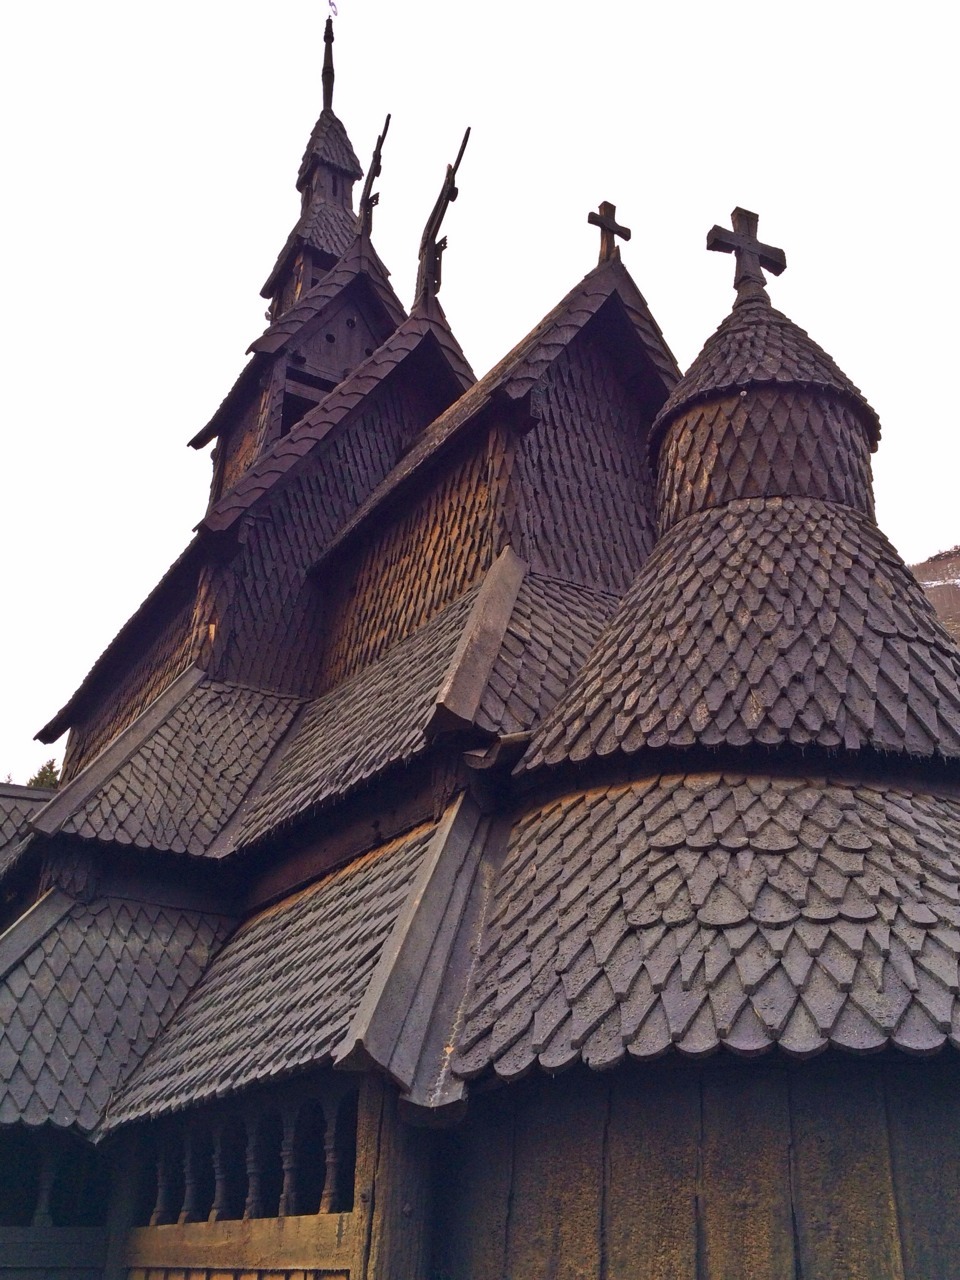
{"points": [[753, 258], [606, 220]]}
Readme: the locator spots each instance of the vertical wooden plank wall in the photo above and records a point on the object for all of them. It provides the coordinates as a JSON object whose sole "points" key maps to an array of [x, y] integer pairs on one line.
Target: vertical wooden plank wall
{"points": [[727, 1170]]}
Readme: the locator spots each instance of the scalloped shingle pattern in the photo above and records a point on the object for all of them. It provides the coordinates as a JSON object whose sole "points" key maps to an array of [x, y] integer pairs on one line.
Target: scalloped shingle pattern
{"points": [[765, 621], [364, 725], [282, 993], [84, 1005], [17, 806], [327, 227], [756, 345], [179, 790], [552, 629], [713, 910], [763, 443], [330, 145]]}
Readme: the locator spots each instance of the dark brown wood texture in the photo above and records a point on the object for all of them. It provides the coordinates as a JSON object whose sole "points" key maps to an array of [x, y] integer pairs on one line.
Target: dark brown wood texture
{"points": [[726, 1171], [436, 550], [393, 1200], [273, 635], [763, 443], [147, 674], [237, 449], [580, 501]]}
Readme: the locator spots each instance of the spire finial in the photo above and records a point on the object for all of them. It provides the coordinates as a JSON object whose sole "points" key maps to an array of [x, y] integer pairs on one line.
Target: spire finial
{"points": [[431, 247], [370, 198], [326, 75], [606, 220], [749, 280]]}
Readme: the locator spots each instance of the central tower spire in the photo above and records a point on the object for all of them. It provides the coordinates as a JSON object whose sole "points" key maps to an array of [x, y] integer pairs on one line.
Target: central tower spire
{"points": [[327, 223]]}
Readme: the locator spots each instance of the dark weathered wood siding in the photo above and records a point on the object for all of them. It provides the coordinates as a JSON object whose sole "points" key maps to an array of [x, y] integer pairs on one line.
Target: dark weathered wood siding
{"points": [[730, 1170]]}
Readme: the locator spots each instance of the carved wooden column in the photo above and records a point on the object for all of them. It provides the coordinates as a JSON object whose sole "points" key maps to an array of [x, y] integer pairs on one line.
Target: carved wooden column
{"points": [[328, 1201], [289, 1159], [48, 1169], [254, 1206], [192, 1154], [221, 1178], [168, 1158]]}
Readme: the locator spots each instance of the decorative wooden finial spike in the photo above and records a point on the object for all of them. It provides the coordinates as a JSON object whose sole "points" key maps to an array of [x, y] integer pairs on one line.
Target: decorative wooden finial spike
{"points": [[606, 220], [753, 258], [370, 198], [431, 246], [326, 75]]}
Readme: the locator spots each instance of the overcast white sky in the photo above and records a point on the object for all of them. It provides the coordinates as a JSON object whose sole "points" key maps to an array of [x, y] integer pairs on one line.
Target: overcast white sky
{"points": [[150, 154]]}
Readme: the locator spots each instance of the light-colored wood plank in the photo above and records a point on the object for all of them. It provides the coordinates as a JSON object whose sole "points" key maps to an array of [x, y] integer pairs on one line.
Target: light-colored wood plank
{"points": [[745, 1214], [323, 1239], [843, 1187], [651, 1175]]}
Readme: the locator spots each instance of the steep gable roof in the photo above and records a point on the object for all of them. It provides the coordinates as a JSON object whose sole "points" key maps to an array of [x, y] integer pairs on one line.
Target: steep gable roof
{"points": [[419, 332], [515, 376], [359, 269]]}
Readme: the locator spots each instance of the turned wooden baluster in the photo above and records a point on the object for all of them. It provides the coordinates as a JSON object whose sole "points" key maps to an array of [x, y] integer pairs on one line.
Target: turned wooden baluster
{"points": [[221, 1182], [328, 1201], [254, 1206], [192, 1153], [165, 1210], [48, 1168], [289, 1153]]}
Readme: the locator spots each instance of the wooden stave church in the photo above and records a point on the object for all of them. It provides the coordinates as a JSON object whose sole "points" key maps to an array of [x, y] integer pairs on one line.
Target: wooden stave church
{"points": [[520, 834]]}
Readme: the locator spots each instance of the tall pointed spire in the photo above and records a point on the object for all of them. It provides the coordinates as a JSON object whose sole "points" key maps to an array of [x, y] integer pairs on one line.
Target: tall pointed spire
{"points": [[327, 223], [327, 75]]}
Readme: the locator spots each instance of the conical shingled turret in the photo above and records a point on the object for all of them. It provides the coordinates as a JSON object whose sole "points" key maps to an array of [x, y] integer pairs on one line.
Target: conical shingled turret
{"points": [[772, 610], [745, 896]]}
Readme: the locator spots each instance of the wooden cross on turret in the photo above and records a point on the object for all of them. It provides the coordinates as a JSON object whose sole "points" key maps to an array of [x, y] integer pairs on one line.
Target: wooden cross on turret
{"points": [[753, 258], [606, 220]]}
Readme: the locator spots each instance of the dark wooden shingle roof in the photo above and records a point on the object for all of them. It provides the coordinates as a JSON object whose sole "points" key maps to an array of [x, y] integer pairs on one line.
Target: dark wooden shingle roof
{"points": [[174, 779], [283, 992], [84, 990], [766, 621], [719, 910], [757, 345]]}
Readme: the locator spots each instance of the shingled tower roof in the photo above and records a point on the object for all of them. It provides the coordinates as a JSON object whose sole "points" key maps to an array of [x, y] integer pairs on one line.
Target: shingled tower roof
{"points": [[327, 222], [772, 610], [739, 894]]}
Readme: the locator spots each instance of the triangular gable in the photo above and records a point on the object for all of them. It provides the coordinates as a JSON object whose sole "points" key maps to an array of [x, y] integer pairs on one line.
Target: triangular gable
{"points": [[360, 266], [515, 376], [286, 454]]}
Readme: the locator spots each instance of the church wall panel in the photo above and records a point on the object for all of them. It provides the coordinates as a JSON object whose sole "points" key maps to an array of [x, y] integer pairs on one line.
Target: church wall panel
{"points": [[724, 1170]]}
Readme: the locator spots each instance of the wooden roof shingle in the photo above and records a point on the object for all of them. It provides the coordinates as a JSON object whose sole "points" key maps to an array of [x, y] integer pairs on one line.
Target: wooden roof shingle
{"points": [[718, 910]]}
